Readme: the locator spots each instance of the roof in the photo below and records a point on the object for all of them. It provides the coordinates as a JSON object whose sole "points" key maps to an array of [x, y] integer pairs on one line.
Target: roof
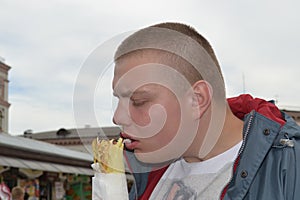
{"points": [[62, 133], [33, 154], [44, 166], [291, 111], [35, 146], [4, 66]]}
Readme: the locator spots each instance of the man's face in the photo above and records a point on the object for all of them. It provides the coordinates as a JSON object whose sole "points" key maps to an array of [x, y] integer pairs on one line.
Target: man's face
{"points": [[149, 110]]}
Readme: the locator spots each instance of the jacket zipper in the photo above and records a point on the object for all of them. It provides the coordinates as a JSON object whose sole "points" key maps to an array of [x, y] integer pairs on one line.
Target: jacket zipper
{"points": [[246, 133], [241, 149]]}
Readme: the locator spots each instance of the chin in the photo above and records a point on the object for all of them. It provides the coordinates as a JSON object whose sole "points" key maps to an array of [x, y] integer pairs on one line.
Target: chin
{"points": [[153, 158]]}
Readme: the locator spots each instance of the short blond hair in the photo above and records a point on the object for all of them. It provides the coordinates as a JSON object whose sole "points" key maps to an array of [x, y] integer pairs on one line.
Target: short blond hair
{"points": [[17, 193], [147, 40], [191, 32]]}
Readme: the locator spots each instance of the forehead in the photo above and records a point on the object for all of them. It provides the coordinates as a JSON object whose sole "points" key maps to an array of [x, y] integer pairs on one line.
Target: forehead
{"points": [[133, 68], [132, 60], [133, 74], [136, 70]]}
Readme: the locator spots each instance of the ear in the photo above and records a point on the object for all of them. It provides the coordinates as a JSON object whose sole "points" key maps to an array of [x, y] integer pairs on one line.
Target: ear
{"points": [[202, 96]]}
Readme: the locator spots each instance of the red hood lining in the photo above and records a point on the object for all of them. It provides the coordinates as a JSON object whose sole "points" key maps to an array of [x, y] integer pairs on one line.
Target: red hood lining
{"points": [[245, 103]]}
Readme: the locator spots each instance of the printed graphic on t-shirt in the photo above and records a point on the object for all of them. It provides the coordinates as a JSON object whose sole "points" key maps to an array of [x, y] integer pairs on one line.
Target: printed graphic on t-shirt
{"points": [[180, 191]]}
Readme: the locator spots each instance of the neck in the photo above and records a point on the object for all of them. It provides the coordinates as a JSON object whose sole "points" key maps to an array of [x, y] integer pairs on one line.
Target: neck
{"points": [[230, 136]]}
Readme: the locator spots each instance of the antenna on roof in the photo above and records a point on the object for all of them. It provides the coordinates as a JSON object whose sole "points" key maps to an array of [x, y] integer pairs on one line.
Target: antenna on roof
{"points": [[244, 83], [276, 96]]}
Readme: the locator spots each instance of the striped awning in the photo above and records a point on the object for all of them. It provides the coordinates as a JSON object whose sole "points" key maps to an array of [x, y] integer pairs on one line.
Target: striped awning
{"points": [[44, 166]]}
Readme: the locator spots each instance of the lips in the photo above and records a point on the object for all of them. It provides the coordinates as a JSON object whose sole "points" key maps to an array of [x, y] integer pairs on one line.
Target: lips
{"points": [[128, 141]]}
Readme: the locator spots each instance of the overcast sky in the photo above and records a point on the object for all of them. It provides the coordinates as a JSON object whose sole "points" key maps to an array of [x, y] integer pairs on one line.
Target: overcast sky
{"points": [[47, 42]]}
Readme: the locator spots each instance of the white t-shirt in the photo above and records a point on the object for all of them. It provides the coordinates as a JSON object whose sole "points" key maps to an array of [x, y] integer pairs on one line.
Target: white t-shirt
{"points": [[197, 180]]}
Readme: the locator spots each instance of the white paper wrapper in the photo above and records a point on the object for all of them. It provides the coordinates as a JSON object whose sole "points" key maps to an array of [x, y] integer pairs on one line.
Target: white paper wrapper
{"points": [[111, 186]]}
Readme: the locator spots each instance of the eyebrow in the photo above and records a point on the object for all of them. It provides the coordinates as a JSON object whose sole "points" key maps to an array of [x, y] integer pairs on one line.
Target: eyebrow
{"points": [[130, 93], [123, 94]]}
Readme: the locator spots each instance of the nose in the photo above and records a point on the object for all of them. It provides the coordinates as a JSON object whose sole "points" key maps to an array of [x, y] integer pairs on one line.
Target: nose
{"points": [[121, 116]]}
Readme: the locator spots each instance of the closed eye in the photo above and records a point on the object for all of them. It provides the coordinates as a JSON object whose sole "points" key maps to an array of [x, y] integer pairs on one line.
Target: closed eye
{"points": [[138, 102]]}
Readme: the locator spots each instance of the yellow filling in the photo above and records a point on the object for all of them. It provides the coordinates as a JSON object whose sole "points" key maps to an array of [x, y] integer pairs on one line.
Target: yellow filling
{"points": [[109, 155]]}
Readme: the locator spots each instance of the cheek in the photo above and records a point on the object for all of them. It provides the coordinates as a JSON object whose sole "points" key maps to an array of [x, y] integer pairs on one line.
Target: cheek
{"points": [[160, 120], [140, 116], [173, 120], [169, 129]]}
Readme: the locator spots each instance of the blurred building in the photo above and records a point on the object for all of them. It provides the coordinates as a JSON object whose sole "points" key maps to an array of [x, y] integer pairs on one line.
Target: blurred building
{"points": [[294, 114], [4, 105], [76, 139]]}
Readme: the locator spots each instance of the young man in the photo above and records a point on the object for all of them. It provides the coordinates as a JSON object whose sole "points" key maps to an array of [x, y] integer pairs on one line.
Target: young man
{"points": [[184, 139]]}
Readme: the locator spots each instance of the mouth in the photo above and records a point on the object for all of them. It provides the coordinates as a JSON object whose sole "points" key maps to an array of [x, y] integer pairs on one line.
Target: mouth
{"points": [[128, 141]]}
